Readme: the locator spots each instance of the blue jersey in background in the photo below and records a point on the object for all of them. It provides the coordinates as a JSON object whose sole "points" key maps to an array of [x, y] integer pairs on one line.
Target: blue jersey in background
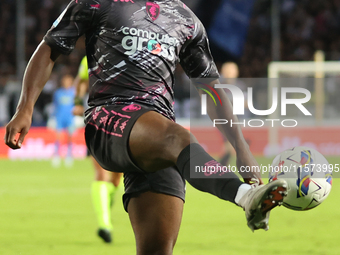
{"points": [[63, 102]]}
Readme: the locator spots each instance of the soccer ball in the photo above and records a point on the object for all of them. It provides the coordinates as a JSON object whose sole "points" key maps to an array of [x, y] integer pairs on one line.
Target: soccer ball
{"points": [[308, 175]]}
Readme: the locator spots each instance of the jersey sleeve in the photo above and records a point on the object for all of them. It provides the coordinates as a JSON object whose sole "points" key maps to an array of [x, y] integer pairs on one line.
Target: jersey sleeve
{"points": [[195, 56], [83, 69], [73, 22]]}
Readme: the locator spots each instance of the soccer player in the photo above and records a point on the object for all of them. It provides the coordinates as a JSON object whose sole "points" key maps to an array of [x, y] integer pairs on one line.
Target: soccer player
{"points": [[106, 183], [133, 47], [63, 105]]}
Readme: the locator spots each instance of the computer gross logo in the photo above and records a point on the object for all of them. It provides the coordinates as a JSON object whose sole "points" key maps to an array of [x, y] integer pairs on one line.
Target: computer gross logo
{"points": [[156, 43]]}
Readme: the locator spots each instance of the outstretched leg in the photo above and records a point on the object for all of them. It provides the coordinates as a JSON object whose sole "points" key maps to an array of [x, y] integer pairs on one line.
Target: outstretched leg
{"points": [[155, 219], [156, 142]]}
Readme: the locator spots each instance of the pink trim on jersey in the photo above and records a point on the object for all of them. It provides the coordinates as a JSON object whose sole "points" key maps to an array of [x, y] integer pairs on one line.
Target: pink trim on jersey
{"points": [[104, 119], [116, 124], [106, 111], [121, 115], [123, 125], [105, 131], [126, 1], [95, 115]]}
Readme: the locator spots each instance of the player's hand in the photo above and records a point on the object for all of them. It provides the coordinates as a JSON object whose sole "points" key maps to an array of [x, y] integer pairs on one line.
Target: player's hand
{"points": [[78, 110], [19, 124]]}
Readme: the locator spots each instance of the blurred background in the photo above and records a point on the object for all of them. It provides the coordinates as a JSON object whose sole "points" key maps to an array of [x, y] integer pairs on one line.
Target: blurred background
{"points": [[251, 33], [245, 37]]}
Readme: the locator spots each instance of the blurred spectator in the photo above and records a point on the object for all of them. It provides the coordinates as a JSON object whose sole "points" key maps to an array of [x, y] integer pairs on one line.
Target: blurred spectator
{"points": [[63, 102], [306, 26]]}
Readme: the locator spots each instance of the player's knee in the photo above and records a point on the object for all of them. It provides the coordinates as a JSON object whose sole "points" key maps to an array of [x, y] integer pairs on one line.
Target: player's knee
{"points": [[177, 137]]}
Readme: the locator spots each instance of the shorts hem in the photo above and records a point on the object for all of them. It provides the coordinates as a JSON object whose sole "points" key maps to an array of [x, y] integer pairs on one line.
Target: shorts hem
{"points": [[127, 196]]}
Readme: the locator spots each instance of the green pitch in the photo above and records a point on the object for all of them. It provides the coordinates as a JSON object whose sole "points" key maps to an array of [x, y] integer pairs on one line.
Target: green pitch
{"points": [[46, 211]]}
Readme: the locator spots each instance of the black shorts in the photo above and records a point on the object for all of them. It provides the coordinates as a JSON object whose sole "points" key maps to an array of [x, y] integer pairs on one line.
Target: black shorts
{"points": [[166, 181], [107, 134]]}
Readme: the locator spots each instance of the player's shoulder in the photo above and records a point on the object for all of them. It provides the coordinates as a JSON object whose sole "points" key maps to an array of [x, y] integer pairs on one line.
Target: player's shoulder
{"points": [[184, 10], [195, 21]]}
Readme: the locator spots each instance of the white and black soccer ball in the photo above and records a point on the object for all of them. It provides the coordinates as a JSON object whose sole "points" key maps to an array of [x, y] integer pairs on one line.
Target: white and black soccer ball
{"points": [[308, 175]]}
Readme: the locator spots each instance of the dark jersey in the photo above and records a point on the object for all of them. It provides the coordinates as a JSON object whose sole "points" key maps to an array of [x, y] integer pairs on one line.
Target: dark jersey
{"points": [[133, 47]]}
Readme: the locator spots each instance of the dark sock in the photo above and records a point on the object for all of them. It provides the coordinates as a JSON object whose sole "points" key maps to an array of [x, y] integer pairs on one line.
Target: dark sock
{"points": [[221, 184]]}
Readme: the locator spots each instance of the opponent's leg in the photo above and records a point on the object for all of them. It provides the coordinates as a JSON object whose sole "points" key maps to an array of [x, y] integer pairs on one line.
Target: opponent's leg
{"points": [[155, 219], [102, 195], [69, 156], [56, 155], [116, 178]]}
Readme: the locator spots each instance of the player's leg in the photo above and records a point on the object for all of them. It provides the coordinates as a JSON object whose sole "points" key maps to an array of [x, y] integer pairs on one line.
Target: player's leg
{"points": [[102, 195], [69, 156], [69, 145], [116, 178], [155, 203], [70, 127], [56, 154], [57, 143], [155, 219], [156, 142], [61, 125]]}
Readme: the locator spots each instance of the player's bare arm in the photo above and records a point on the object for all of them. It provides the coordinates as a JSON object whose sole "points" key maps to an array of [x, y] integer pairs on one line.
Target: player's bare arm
{"points": [[232, 133], [198, 63], [36, 75]]}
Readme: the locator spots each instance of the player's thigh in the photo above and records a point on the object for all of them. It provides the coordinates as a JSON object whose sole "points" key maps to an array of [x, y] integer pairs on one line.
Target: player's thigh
{"points": [[107, 135], [155, 141], [155, 219], [133, 141]]}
